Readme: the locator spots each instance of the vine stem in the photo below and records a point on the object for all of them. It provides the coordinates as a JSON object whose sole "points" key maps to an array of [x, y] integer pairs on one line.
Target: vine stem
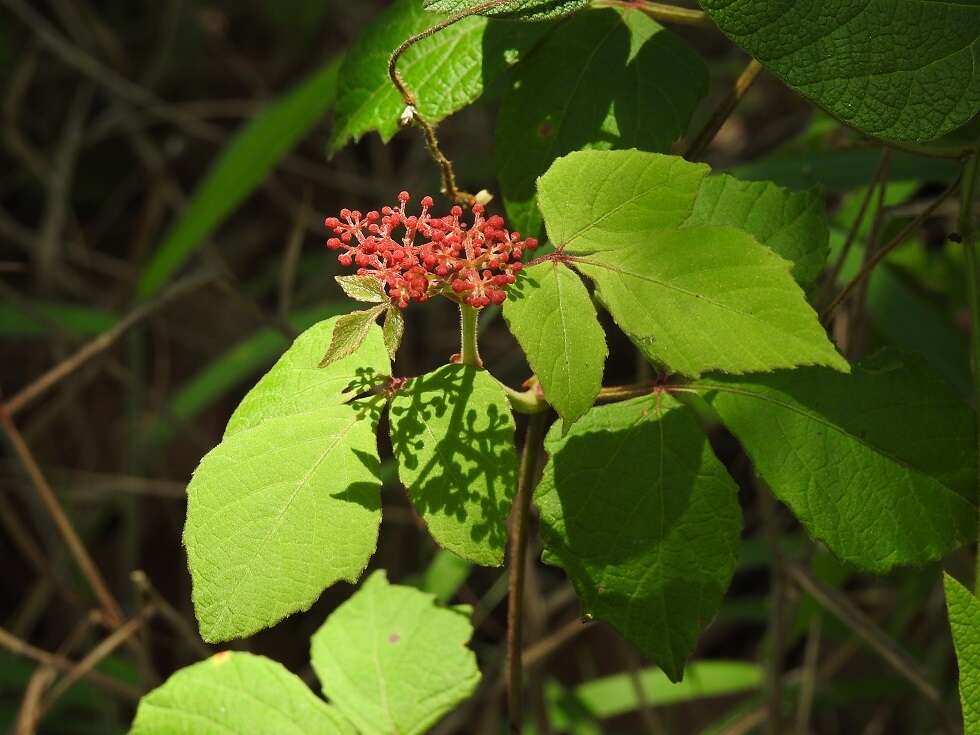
{"points": [[469, 353], [968, 233], [533, 447], [411, 114]]}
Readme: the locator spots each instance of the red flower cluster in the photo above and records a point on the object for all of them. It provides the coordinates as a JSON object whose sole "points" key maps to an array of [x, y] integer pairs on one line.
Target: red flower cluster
{"points": [[471, 264]]}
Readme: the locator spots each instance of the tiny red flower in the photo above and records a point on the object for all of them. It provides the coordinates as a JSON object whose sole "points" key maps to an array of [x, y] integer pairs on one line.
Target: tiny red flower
{"points": [[421, 256]]}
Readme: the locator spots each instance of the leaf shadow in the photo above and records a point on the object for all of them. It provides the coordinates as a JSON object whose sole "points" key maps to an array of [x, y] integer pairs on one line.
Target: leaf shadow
{"points": [[471, 461], [630, 531]]}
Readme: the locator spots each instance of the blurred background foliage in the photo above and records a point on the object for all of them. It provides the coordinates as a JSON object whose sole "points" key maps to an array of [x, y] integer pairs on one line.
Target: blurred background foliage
{"points": [[163, 180]]}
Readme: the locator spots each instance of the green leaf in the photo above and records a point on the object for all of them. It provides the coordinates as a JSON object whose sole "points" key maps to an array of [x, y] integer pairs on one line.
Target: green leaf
{"points": [[394, 330], [964, 619], [240, 169], [648, 540], [444, 576], [792, 224], [39, 319], [278, 512], [394, 662], [447, 71], [349, 334], [518, 9], [363, 288], [710, 298], [902, 70], [597, 81], [612, 696], [236, 693], [605, 200], [295, 384], [550, 312], [453, 436], [880, 465]]}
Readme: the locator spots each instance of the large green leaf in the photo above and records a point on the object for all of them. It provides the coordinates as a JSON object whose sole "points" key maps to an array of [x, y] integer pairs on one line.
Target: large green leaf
{"points": [[453, 435], [596, 82], [964, 619], [392, 661], [235, 693], [550, 312], [240, 169], [447, 71], [605, 200], [709, 298], [792, 224], [296, 384], [902, 69], [278, 512], [519, 9], [880, 465], [645, 522]]}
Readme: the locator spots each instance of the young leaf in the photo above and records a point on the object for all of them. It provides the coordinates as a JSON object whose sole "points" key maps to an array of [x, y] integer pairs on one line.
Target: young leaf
{"points": [[596, 81], [902, 70], [393, 661], [792, 224], [349, 334], [448, 71], [453, 436], [236, 693], [648, 540], [394, 330], [517, 9], [363, 288], [964, 619], [295, 384], [880, 465], [237, 172], [709, 298], [278, 512], [550, 312]]}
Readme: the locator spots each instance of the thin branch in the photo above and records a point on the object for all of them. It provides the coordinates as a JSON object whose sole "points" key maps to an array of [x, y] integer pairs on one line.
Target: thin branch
{"points": [[834, 274], [723, 111], [30, 707], [864, 628], [518, 552], [103, 342], [97, 655], [661, 12], [777, 612], [294, 247], [808, 677], [68, 533], [882, 253], [21, 648], [170, 614]]}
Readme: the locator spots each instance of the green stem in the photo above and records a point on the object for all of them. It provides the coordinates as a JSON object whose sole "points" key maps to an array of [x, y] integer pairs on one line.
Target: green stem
{"points": [[530, 458], [968, 232], [469, 353]]}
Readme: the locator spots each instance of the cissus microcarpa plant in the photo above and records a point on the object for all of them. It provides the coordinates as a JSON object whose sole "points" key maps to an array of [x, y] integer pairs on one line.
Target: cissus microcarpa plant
{"points": [[713, 279]]}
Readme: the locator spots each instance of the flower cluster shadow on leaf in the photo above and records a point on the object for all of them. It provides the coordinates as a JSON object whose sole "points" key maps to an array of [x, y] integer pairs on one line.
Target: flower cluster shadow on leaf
{"points": [[460, 461]]}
